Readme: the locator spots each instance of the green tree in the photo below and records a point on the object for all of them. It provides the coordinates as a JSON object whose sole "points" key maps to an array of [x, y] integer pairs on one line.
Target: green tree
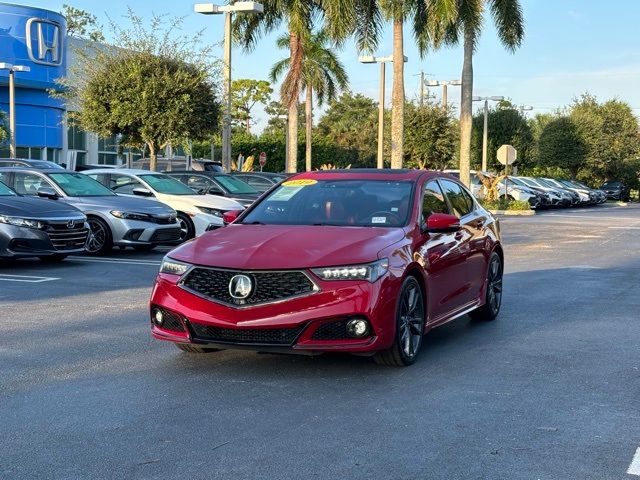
{"points": [[153, 88], [561, 146], [82, 24], [430, 137], [246, 94], [509, 22], [322, 72], [4, 129]]}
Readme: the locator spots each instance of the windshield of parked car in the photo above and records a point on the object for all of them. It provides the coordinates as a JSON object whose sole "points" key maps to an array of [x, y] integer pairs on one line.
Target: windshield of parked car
{"points": [[6, 191], [167, 185], [517, 181], [80, 185], [530, 183], [233, 185], [611, 183], [546, 183], [362, 203]]}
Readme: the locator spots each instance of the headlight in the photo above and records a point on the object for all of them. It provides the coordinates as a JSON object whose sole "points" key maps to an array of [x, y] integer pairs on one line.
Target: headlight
{"points": [[22, 222], [369, 271], [211, 211], [130, 215], [174, 267]]}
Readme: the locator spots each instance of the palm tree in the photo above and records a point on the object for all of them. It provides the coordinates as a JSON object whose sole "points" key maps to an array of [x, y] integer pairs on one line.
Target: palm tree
{"points": [[509, 21], [427, 17], [322, 71]]}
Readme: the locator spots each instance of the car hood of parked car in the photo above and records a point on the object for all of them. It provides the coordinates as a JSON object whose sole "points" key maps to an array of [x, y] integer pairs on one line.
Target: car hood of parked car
{"points": [[116, 202], [210, 201], [30, 207], [260, 247]]}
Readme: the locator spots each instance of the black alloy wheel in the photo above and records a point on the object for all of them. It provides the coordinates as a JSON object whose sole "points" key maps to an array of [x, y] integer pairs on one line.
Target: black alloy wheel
{"points": [[410, 315], [187, 230], [100, 238], [493, 299]]}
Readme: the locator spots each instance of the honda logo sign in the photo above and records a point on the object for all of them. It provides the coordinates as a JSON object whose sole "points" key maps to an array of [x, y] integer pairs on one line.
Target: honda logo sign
{"points": [[44, 41]]}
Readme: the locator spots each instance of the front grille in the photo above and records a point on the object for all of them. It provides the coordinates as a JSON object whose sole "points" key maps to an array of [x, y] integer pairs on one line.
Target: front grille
{"points": [[265, 286], [165, 235], [331, 331], [164, 219], [64, 238], [256, 336]]}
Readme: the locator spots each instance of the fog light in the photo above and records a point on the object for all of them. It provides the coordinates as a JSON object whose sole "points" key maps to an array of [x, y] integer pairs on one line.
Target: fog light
{"points": [[158, 317], [357, 328]]}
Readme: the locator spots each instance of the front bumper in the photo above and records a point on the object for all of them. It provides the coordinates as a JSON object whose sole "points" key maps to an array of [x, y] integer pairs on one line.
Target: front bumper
{"points": [[21, 242], [137, 232], [287, 325]]}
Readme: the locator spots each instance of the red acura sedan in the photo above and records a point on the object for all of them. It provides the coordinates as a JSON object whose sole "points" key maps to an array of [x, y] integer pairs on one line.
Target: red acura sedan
{"points": [[360, 261]]}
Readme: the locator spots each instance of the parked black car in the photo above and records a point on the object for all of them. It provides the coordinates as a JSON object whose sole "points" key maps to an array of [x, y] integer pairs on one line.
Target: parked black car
{"points": [[261, 181], [36, 227], [616, 190], [215, 183]]}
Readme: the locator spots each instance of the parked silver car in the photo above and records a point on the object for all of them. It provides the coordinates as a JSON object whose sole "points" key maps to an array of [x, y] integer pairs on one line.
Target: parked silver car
{"points": [[114, 220]]}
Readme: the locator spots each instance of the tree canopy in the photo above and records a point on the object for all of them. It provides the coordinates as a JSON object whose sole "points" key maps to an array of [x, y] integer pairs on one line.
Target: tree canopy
{"points": [[246, 93], [82, 24]]}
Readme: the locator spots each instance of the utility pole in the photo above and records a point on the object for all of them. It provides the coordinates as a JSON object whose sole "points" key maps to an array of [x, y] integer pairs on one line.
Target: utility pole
{"points": [[444, 84], [12, 102], [485, 132]]}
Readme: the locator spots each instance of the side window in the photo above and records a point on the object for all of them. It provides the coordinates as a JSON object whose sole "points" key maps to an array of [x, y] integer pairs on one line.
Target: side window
{"points": [[100, 177], [124, 184], [4, 178], [460, 202], [258, 183], [29, 183], [433, 200], [197, 183]]}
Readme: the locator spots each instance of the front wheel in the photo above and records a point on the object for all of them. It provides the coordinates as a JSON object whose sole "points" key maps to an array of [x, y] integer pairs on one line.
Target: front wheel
{"points": [[187, 230], [493, 297], [409, 327], [100, 238]]}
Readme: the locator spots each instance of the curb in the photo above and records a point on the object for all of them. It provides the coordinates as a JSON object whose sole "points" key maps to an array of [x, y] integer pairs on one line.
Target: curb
{"points": [[523, 213]]}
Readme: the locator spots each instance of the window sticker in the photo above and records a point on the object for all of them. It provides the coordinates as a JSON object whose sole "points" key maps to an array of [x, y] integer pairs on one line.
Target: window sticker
{"points": [[378, 219], [284, 194], [302, 182], [394, 209]]}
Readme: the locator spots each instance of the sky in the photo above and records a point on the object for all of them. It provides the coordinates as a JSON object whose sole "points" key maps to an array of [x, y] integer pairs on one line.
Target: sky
{"points": [[570, 47]]}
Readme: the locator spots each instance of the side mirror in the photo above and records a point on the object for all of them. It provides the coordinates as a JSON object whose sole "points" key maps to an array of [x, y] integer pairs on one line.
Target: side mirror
{"points": [[230, 216], [442, 223], [142, 192], [214, 191], [48, 192]]}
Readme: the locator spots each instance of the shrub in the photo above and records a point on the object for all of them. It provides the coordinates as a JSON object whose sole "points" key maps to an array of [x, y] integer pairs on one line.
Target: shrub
{"points": [[502, 204]]}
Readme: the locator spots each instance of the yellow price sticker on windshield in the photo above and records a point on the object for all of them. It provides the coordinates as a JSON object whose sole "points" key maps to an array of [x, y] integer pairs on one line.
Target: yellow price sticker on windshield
{"points": [[302, 182]]}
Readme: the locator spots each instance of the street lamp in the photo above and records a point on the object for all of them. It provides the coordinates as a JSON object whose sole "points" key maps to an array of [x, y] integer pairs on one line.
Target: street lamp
{"points": [[212, 9], [12, 102], [486, 123], [444, 83], [381, 61]]}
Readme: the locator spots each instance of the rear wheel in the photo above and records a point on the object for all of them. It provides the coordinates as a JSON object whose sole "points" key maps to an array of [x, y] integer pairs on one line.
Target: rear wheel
{"points": [[187, 230], [100, 238], [187, 347], [409, 327], [493, 299]]}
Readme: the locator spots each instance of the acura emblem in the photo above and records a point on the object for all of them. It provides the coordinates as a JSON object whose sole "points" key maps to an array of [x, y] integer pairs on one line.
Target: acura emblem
{"points": [[240, 287]]}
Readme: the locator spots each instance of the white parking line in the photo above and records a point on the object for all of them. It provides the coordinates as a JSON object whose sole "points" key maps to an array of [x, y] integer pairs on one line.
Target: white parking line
{"points": [[634, 468], [26, 278], [624, 228], [123, 261]]}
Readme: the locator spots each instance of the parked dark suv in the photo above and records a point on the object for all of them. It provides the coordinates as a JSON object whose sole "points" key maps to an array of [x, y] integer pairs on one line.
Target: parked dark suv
{"points": [[616, 190]]}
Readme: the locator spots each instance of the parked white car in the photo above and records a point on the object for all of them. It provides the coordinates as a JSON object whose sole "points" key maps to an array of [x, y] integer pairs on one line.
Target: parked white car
{"points": [[196, 213]]}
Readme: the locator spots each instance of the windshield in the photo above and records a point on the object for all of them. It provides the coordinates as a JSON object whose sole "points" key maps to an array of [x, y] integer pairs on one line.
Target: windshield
{"points": [[611, 183], [6, 191], [167, 185], [517, 181], [546, 183], [362, 203], [233, 185], [79, 185], [529, 182]]}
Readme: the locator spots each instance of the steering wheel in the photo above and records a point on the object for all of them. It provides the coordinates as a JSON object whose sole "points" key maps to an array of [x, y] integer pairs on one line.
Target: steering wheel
{"points": [[382, 213]]}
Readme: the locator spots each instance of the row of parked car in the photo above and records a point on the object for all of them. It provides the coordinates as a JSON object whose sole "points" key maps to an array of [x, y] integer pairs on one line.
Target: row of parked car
{"points": [[50, 213], [541, 192]]}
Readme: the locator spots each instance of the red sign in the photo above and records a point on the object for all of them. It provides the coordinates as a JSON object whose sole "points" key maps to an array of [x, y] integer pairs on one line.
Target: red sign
{"points": [[263, 159]]}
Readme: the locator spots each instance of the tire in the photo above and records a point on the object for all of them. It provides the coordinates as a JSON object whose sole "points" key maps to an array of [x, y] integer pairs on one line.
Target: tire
{"points": [[187, 347], [100, 239], [410, 314], [144, 248], [493, 297], [187, 230], [52, 258]]}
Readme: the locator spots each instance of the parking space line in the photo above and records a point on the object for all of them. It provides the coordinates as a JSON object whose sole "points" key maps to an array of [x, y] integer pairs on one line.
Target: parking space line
{"points": [[123, 261], [634, 468], [624, 228], [26, 278]]}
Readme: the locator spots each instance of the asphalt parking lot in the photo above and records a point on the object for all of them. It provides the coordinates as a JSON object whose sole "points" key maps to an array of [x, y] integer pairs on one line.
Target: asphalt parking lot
{"points": [[551, 390]]}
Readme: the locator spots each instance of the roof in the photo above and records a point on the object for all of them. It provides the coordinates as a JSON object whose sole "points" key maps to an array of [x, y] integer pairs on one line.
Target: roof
{"points": [[27, 168], [366, 174], [124, 171]]}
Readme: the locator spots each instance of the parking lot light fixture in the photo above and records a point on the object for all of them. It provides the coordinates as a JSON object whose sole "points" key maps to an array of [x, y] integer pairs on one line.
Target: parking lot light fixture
{"points": [[381, 61], [485, 139], [444, 84], [12, 102], [228, 10]]}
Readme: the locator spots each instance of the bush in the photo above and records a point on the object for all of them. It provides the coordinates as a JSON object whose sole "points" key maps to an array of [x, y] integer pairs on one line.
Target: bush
{"points": [[502, 204]]}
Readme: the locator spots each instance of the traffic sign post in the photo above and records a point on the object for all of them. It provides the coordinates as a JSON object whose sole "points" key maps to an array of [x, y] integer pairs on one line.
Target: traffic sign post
{"points": [[506, 156], [262, 160]]}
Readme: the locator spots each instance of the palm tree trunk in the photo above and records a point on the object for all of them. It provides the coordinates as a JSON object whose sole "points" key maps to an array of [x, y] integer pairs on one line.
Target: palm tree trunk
{"points": [[308, 120], [295, 50], [466, 108], [397, 97]]}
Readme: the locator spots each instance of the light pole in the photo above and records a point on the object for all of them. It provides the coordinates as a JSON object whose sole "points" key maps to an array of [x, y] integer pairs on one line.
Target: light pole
{"points": [[444, 84], [213, 9], [381, 61], [12, 103], [485, 134]]}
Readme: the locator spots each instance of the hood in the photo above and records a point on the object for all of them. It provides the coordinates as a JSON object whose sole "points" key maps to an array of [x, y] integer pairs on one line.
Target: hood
{"points": [[211, 201], [40, 208], [117, 202], [259, 247]]}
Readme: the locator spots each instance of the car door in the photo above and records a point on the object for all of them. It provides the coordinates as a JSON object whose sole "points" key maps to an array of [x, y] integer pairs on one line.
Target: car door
{"points": [[441, 257], [472, 236]]}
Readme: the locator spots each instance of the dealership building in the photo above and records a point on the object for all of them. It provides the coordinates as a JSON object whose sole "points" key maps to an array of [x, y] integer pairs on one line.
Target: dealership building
{"points": [[36, 38]]}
